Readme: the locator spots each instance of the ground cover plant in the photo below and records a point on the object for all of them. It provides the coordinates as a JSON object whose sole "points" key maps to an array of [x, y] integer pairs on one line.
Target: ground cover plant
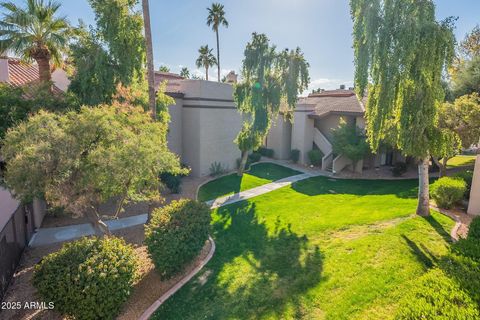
{"points": [[258, 175], [320, 249]]}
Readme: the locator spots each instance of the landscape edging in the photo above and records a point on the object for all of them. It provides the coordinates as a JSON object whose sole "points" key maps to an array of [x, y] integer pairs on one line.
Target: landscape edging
{"points": [[154, 306]]}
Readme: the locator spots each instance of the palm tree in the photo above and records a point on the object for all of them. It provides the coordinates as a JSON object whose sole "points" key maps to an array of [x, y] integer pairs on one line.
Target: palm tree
{"points": [[185, 73], [206, 59], [35, 33], [150, 70], [216, 17]]}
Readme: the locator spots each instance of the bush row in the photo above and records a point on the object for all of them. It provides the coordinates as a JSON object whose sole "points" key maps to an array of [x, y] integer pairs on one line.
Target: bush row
{"points": [[92, 278]]}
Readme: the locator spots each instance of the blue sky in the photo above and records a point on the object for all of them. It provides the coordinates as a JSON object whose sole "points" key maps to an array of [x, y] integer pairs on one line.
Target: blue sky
{"points": [[321, 28]]}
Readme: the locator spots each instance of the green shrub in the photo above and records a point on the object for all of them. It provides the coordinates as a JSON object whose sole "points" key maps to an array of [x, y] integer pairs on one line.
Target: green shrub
{"points": [[217, 169], [88, 279], [467, 176], [315, 156], [436, 296], [295, 155], [447, 191], [175, 235], [266, 152], [172, 181], [468, 248], [255, 157], [399, 169], [474, 229], [465, 271]]}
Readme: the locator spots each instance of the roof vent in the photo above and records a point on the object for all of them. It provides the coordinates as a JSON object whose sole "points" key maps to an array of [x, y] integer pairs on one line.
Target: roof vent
{"points": [[342, 87]]}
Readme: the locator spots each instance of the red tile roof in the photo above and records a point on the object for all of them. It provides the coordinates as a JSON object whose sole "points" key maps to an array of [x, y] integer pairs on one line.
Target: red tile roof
{"points": [[22, 74], [173, 81]]}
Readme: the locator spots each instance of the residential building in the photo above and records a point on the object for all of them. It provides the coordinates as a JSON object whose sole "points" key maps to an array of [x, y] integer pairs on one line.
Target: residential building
{"points": [[17, 73], [205, 122]]}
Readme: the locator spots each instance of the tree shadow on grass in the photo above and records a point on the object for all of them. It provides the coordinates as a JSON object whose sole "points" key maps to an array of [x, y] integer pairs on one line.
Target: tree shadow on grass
{"points": [[321, 185], [257, 270]]}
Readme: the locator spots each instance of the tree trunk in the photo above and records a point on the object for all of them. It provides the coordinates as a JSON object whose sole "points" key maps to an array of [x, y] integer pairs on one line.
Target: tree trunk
{"points": [[423, 208], [98, 225], [44, 72], [206, 73], [218, 56], [442, 166], [243, 162], [150, 67]]}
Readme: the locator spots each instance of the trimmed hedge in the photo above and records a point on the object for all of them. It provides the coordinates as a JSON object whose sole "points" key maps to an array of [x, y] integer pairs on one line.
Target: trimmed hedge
{"points": [[467, 176], [176, 234], [88, 279], [266, 152], [315, 157], [295, 155], [447, 191], [436, 296]]}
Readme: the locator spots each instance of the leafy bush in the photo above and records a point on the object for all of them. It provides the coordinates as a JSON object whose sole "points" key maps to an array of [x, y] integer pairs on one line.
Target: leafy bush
{"points": [[266, 152], [315, 157], [88, 279], [468, 248], [399, 169], [176, 234], [474, 229], [172, 181], [295, 155], [255, 157], [217, 169], [436, 296], [467, 176], [447, 191]]}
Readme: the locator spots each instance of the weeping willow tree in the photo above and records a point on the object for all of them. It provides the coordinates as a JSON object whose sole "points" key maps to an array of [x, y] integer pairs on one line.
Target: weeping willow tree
{"points": [[271, 80], [401, 53]]}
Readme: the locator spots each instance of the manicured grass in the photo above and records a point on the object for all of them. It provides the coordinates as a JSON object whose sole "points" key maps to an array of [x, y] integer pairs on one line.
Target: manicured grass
{"points": [[259, 174], [461, 161], [319, 249]]}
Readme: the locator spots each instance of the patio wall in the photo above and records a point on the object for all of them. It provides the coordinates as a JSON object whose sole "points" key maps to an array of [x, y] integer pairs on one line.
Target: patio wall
{"points": [[474, 203]]}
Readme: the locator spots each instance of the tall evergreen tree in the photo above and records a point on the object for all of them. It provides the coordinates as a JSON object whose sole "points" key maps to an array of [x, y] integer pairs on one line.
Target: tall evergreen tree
{"points": [[401, 52], [111, 53], [215, 19]]}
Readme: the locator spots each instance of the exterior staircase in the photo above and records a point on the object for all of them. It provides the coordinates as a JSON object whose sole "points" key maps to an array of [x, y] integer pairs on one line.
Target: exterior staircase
{"points": [[326, 147]]}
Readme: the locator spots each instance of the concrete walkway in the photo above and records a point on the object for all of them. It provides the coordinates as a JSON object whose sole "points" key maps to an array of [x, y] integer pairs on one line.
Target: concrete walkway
{"points": [[46, 236], [247, 194]]}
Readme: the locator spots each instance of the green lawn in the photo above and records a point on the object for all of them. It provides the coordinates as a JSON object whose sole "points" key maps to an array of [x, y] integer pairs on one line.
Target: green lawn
{"points": [[461, 161], [320, 249], [259, 174]]}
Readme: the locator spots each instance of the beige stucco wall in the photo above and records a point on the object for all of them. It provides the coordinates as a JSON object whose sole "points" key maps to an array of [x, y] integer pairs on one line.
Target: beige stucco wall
{"points": [[175, 127], [210, 124], [280, 138], [302, 131], [474, 203], [60, 79], [327, 124]]}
